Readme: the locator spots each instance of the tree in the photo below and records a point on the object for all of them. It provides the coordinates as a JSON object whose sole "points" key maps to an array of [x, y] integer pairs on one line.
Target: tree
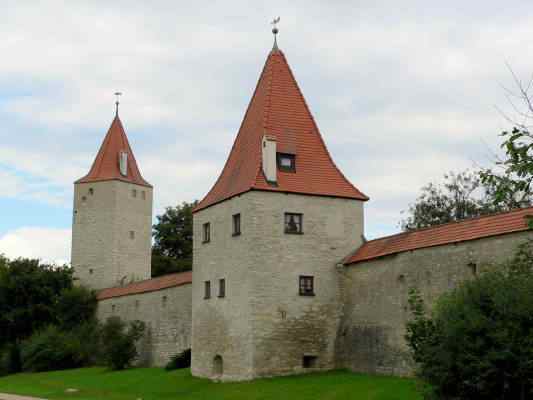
{"points": [[119, 342], [172, 249], [478, 341], [461, 195], [511, 181]]}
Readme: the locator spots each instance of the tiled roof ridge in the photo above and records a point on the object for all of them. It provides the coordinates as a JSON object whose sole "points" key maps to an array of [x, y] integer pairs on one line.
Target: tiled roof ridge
{"points": [[142, 286], [300, 94], [474, 228], [460, 221]]}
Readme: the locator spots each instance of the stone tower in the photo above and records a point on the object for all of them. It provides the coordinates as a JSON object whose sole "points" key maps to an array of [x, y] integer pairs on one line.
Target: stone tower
{"points": [[112, 217], [267, 241]]}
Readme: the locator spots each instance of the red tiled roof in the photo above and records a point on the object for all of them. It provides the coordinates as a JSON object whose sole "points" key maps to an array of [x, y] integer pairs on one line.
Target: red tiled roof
{"points": [[106, 165], [278, 109], [149, 285], [461, 231]]}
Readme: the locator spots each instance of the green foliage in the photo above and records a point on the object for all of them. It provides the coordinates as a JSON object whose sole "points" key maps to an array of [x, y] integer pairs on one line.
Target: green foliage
{"points": [[75, 306], [478, 342], [156, 383], [461, 195], [511, 183], [10, 359], [52, 349], [29, 293], [179, 361], [172, 250], [118, 342]]}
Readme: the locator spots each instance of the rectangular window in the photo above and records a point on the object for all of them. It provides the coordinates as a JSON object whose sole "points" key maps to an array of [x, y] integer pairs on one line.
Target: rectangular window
{"points": [[293, 223], [307, 285], [309, 361], [143, 194], [236, 224], [286, 162], [134, 192], [207, 290], [222, 288], [132, 234], [206, 238]]}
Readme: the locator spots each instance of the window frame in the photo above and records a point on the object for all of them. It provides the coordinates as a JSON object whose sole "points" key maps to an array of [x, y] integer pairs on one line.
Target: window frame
{"points": [[281, 167], [303, 290], [206, 232], [221, 288], [299, 225], [236, 224], [207, 290]]}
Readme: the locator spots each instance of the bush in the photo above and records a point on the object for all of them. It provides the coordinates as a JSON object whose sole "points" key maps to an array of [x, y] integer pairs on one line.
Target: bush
{"points": [[178, 361], [119, 342], [10, 362], [478, 343], [51, 349], [75, 306]]}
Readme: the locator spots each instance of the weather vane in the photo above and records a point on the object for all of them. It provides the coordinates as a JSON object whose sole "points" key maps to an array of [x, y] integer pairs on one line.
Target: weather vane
{"points": [[117, 102], [275, 31]]}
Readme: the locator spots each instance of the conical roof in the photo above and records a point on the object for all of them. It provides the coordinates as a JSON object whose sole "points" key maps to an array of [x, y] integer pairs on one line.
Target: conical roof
{"points": [[106, 165], [278, 109]]}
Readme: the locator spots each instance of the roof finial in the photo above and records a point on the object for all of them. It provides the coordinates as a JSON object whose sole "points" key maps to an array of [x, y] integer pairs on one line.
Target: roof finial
{"points": [[117, 102], [275, 31]]}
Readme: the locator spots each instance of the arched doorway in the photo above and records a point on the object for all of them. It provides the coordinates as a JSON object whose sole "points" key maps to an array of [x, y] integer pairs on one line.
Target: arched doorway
{"points": [[218, 365]]}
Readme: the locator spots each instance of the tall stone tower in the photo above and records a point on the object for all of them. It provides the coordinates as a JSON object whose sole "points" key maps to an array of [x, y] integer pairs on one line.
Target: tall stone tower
{"points": [[112, 217], [267, 240]]}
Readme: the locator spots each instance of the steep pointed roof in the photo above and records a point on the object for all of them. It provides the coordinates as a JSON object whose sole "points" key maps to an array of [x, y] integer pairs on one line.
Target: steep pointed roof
{"points": [[278, 109], [106, 164]]}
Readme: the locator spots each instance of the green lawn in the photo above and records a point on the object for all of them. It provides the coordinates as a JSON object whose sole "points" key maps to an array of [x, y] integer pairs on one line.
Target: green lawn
{"points": [[155, 383]]}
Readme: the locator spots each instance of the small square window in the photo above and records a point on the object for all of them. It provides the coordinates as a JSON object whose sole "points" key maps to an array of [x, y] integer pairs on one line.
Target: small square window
{"points": [[236, 224], [164, 301], [132, 234], [293, 223], [207, 290], [286, 162], [307, 285], [309, 361], [91, 271], [113, 308], [206, 234], [91, 191], [222, 288], [134, 193]]}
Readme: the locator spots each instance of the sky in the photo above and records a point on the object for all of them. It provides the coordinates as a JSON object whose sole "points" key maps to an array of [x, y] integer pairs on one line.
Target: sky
{"points": [[402, 92]]}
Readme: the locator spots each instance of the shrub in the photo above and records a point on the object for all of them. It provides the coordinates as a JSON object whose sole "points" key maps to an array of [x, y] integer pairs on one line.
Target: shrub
{"points": [[178, 361], [119, 342], [478, 342], [10, 362], [52, 349], [75, 306]]}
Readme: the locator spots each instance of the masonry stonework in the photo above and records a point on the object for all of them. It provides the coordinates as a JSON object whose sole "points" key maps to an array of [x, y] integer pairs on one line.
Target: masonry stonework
{"points": [[263, 327], [167, 315], [375, 297], [111, 233]]}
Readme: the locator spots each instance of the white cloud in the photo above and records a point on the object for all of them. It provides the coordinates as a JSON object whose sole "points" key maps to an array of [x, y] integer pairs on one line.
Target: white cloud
{"points": [[47, 244]]}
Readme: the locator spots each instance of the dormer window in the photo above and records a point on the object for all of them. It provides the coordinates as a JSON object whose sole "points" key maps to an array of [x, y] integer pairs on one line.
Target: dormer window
{"points": [[286, 162], [123, 163]]}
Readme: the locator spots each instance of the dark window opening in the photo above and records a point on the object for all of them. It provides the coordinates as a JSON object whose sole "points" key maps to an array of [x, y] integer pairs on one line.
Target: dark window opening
{"points": [[218, 365], [91, 191], [286, 162], [307, 285], [206, 233], [309, 361], [236, 224], [134, 192], [91, 271], [222, 288], [293, 223], [207, 290], [473, 268], [164, 301]]}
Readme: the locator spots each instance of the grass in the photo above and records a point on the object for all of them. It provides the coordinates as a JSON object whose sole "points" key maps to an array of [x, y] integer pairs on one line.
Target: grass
{"points": [[156, 383]]}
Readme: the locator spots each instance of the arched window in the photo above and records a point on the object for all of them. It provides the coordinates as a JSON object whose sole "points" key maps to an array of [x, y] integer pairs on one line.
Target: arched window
{"points": [[218, 365]]}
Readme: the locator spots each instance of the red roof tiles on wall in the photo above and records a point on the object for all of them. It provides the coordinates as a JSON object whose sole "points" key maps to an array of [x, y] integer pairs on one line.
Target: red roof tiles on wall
{"points": [[278, 109], [454, 232], [106, 165], [149, 285]]}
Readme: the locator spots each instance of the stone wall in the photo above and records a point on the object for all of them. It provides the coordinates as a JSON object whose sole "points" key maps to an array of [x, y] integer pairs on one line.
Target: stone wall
{"points": [[104, 251], [264, 327], [371, 338], [167, 314]]}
